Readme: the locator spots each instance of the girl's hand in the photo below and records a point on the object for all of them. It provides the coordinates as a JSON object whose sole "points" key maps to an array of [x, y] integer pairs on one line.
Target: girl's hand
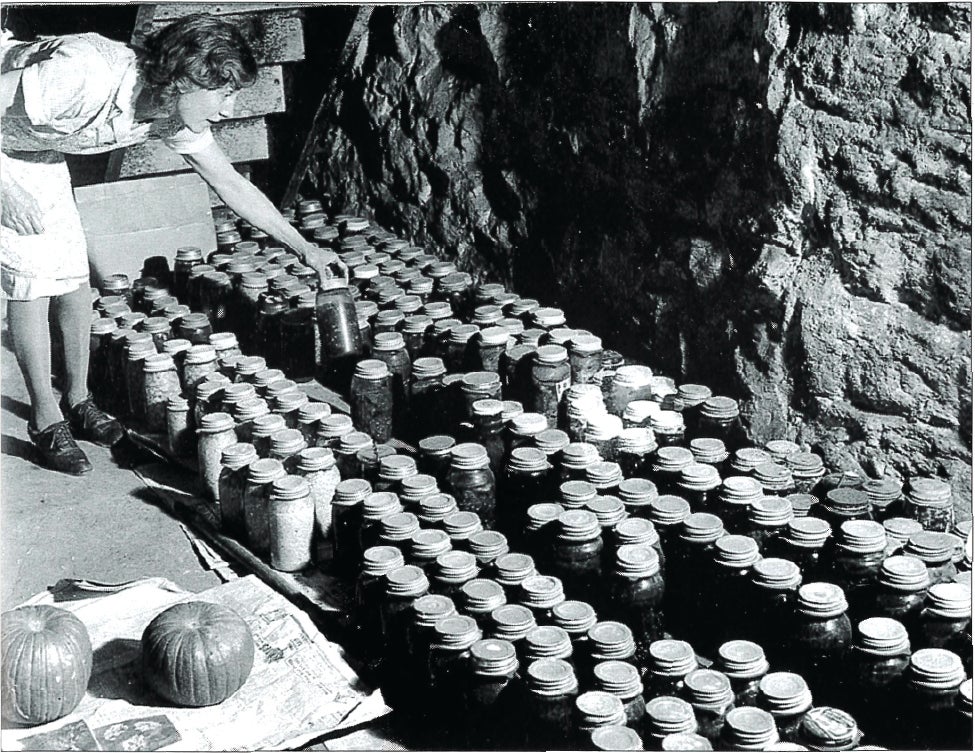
{"points": [[323, 261], [21, 212]]}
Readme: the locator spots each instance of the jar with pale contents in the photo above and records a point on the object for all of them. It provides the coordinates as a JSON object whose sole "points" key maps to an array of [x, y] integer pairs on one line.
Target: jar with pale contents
{"points": [[291, 523]]}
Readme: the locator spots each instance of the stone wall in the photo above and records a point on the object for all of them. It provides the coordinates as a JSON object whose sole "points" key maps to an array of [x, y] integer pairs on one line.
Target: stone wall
{"points": [[774, 200]]}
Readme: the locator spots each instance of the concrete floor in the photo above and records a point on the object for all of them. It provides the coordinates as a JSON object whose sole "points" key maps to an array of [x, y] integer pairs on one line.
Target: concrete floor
{"points": [[99, 527]]}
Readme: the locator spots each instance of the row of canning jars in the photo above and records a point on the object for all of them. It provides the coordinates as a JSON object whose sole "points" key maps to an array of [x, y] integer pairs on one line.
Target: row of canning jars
{"points": [[455, 566]]}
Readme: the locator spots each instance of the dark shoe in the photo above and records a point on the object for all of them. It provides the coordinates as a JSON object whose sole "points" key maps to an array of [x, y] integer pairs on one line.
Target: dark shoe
{"points": [[90, 422], [59, 450]]}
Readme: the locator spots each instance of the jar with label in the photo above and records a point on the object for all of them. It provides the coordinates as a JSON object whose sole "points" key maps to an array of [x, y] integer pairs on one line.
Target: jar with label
{"points": [[291, 523], [375, 507], [946, 615], [786, 696], [577, 553], [317, 466], [371, 399], [722, 594], [934, 678], [551, 377], [804, 543], [471, 481], [769, 603], [749, 728], [667, 715], [160, 383], [719, 417], [634, 595], [857, 557], [935, 550], [929, 501], [821, 634], [493, 696], [435, 456], [261, 475], [347, 512], [900, 590], [744, 664]]}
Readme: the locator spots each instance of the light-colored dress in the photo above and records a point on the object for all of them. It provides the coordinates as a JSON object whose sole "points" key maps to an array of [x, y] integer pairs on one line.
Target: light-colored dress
{"points": [[77, 96]]}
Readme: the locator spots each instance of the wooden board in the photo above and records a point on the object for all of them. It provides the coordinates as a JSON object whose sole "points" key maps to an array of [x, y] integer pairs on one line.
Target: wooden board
{"points": [[244, 140], [170, 11], [277, 36], [264, 97]]}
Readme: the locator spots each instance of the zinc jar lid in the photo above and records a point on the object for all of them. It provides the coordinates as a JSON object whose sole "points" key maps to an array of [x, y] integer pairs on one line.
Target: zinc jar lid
{"points": [[742, 659]]}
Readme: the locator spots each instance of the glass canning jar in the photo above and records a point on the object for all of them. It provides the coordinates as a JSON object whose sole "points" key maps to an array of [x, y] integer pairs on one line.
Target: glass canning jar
{"points": [[719, 417], [856, 560], [291, 524], [160, 383], [577, 553], [667, 715], [878, 660], [929, 501], [234, 461], [666, 466], [786, 696], [347, 512], [435, 456], [371, 399], [900, 590], [622, 679], [471, 481], [390, 348], [488, 428], [550, 378], [710, 695], [634, 595], [804, 543], [477, 385], [744, 664], [261, 476], [634, 451], [552, 689], [339, 331], [821, 634], [769, 604]]}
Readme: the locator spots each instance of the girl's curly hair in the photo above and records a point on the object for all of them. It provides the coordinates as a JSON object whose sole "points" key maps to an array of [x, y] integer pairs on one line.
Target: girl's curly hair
{"points": [[199, 49]]}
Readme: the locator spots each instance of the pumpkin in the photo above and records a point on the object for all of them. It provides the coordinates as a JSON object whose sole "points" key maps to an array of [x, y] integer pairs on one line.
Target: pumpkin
{"points": [[197, 653], [45, 653]]}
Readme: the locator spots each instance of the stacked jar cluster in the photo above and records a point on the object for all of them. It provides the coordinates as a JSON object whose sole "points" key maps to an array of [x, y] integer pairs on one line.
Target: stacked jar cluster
{"points": [[553, 483]]}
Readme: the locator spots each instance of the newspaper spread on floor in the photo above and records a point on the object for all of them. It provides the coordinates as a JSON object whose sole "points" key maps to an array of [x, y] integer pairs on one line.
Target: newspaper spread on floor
{"points": [[299, 689]]}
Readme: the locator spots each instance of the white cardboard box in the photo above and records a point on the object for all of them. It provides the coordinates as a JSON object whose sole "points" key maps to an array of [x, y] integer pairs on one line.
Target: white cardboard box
{"points": [[128, 221]]}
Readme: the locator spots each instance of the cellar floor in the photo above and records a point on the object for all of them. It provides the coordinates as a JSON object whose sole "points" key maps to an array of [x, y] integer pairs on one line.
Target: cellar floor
{"points": [[100, 527]]}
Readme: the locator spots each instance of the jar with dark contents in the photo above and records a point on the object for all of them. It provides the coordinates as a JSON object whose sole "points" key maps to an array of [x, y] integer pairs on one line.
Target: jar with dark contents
{"points": [[841, 505], [346, 452], [552, 689], [635, 447], [946, 616], [451, 571], [375, 507], [551, 377], [474, 386], [493, 696], [339, 330], [435, 456], [426, 546], [541, 593], [699, 484], [622, 680], [692, 554], [667, 513], [786, 696], [719, 417], [117, 285], [667, 715], [471, 481], [455, 288], [666, 467], [934, 678], [634, 596], [935, 550], [804, 543], [734, 500], [416, 333], [886, 497], [478, 598], [491, 343], [596, 709], [669, 661], [461, 348], [404, 586], [460, 526], [347, 512], [389, 348], [878, 660], [426, 397], [749, 728], [821, 634], [510, 571], [769, 603], [397, 530], [298, 344], [371, 399], [710, 695], [394, 469], [602, 431], [235, 460], [711, 451], [99, 360], [857, 557], [723, 593], [828, 728], [524, 482], [900, 590], [488, 426], [744, 664], [767, 519], [577, 553], [537, 537], [515, 367], [808, 472]]}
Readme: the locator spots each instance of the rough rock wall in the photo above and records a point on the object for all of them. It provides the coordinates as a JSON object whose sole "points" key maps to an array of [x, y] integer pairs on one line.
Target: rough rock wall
{"points": [[772, 199]]}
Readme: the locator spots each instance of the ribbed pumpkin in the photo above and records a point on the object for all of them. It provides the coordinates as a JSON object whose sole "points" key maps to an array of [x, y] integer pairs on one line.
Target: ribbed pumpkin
{"points": [[46, 663], [197, 653]]}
